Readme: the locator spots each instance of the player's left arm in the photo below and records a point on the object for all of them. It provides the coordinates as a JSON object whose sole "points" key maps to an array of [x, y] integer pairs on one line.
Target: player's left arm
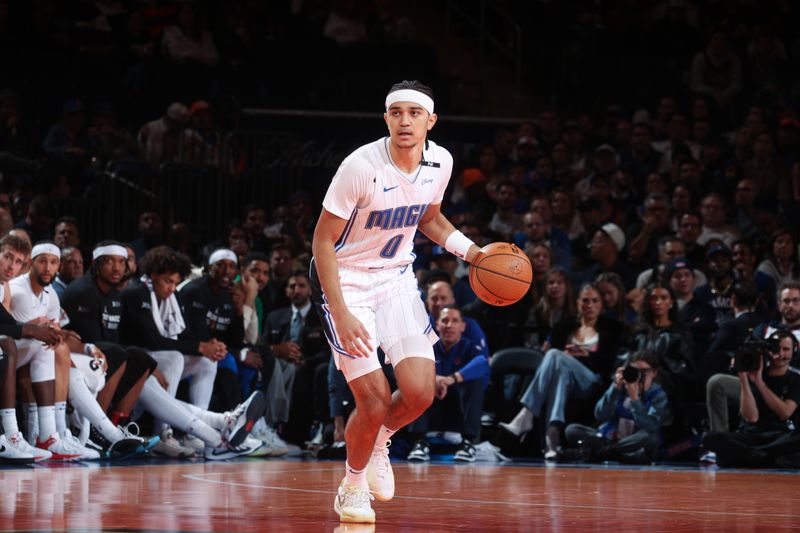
{"points": [[438, 229]]}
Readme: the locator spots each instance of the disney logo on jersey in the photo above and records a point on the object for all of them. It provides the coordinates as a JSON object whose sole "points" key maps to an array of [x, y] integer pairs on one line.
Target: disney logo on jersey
{"points": [[396, 217], [426, 181]]}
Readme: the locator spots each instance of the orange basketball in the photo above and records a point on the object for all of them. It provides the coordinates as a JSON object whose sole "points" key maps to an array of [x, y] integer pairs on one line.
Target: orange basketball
{"points": [[502, 275]]}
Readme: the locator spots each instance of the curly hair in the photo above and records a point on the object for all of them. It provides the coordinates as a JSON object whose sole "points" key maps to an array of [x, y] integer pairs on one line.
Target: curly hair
{"points": [[165, 260]]}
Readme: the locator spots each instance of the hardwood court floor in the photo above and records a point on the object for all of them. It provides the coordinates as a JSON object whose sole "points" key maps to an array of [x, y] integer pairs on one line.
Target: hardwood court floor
{"points": [[296, 496]]}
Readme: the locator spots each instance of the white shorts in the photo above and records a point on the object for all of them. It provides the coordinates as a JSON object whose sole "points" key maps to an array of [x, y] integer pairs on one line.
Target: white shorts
{"points": [[91, 370], [41, 358], [389, 304]]}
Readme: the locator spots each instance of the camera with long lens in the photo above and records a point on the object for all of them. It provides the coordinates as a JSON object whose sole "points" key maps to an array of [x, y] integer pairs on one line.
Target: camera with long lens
{"points": [[631, 374], [748, 358]]}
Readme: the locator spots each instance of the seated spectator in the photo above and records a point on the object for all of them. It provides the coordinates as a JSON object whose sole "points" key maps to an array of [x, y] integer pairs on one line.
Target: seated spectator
{"points": [[505, 221], [200, 142], [108, 141], [255, 266], [660, 331], [536, 230], [680, 277], [767, 171], [541, 258], [669, 248], [682, 202], [556, 303], [690, 225], [280, 268], [575, 368], [345, 24], [444, 261], [717, 292], [768, 407], [295, 336], [641, 156], [781, 264], [677, 146], [745, 212], [187, 42], [631, 413], [255, 223], [645, 237], [712, 209], [462, 374], [159, 139], [717, 72], [71, 269], [564, 215], [65, 138], [744, 267], [16, 135], [151, 233], [439, 295], [614, 302], [38, 221], [67, 233], [605, 250]]}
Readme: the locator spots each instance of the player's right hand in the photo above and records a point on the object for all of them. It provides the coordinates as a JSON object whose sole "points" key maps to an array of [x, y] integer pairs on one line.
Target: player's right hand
{"points": [[45, 333], [353, 336]]}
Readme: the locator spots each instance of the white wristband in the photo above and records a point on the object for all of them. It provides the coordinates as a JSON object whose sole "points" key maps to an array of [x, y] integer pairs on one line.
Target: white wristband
{"points": [[89, 349], [458, 244]]}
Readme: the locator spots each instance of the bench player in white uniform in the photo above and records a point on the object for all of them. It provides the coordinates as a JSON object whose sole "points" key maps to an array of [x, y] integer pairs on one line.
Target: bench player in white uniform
{"points": [[366, 292]]}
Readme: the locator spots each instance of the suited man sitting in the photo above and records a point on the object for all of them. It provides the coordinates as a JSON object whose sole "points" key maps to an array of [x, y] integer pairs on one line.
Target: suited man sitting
{"points": [[295, 336], [722, 387]]}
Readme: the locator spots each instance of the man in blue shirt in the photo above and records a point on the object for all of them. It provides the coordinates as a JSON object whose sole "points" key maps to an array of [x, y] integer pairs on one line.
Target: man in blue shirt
{"points": [[440, 295], [462, 373]]}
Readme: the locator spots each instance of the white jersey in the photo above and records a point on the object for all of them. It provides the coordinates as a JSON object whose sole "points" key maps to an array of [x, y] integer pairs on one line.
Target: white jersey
{"points": [[383, 205], [26, 306]]}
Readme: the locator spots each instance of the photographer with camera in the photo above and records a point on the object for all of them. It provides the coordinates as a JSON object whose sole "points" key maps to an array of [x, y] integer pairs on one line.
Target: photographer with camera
{"points": [[631, 413], [770, 393]]}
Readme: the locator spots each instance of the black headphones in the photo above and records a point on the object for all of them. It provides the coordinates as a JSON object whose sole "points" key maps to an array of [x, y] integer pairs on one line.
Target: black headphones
{"points": [[779, 334]]}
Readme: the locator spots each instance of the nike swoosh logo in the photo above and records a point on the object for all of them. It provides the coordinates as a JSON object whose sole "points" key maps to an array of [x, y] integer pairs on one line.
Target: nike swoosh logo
{"points": [[220, 452], [385, 189]]}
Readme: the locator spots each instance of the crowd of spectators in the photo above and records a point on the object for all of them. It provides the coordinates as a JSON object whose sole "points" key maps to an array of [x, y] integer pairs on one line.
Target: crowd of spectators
{"points": [[653, 227]]}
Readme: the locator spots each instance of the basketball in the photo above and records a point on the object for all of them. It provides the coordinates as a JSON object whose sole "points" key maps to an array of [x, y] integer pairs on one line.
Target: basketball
{"points": [[502, 275]]}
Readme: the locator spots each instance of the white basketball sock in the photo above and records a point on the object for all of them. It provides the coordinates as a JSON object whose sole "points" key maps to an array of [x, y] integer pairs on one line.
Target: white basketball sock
{"points": [[47, 421], [9, 417], [85, 403], [355, 477], [61, 416], [215, 420], [384, 434], [31, 421], [163, 406]]}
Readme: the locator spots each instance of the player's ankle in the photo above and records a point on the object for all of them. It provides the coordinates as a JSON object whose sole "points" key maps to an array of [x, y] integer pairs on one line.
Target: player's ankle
{"points": [[356, 477]]}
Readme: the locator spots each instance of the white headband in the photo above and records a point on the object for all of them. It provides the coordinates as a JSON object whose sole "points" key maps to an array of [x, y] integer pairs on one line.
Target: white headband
{"points": [[410, 95], [110, 249], [45, 248], [219, 255]]}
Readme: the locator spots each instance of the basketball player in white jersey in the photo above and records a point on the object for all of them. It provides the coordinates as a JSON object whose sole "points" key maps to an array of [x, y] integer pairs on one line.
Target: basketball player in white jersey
{"points": [[366, 292]]}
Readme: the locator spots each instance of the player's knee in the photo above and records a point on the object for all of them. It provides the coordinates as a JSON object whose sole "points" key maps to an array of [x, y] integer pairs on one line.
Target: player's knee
{"points": [[9, 348], [419, 396], [61, 354], [208, 366]]}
